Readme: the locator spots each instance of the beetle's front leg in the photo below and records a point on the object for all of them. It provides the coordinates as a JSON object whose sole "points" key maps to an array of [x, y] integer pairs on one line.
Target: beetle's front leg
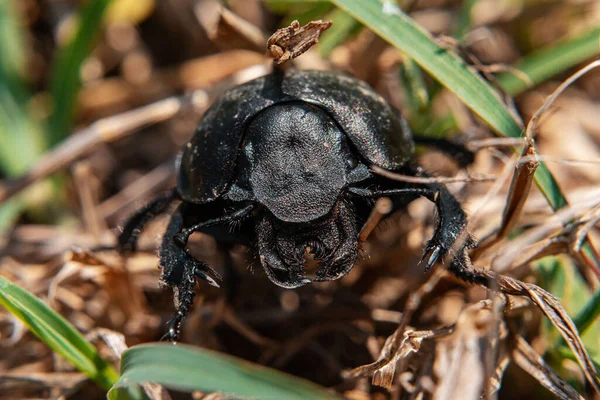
{"points": [[180, 270], [451, 221]]}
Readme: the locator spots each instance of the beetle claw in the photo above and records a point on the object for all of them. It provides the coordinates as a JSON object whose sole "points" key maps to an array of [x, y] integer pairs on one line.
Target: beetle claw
{"points": [[208, 279], [180, 240], [174, 328], [432, 253]]}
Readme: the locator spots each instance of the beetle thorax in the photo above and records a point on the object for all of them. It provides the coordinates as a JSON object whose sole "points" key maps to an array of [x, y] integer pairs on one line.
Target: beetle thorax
{"points": [[296, 161]]}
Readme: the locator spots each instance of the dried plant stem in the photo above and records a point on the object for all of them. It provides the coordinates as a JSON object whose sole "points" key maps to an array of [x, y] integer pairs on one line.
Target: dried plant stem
{"points": [[394, 342], [513, 249], [382, 207], [102, 131], [534, 123], [527, 358], [426, 180], [475, 145], [518, 193], [548, 304]]}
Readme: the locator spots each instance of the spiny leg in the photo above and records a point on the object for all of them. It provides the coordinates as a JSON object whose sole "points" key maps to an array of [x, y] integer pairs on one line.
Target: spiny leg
{"points": [[462, 155], [451, 217], [127, 241], [182, 237], [180, 270]]}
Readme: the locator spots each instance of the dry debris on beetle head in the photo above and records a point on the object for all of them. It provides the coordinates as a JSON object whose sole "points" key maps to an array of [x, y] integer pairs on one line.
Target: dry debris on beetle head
{"points": [[291, 42]]}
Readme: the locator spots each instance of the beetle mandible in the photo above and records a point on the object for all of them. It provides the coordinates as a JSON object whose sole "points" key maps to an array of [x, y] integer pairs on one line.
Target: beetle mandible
{"points": [[285, 158]]}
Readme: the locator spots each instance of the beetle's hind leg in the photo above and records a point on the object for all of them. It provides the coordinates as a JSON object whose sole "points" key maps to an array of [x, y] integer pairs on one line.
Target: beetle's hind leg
{"points": [[180, 270], [458, 152], [127, 241]]}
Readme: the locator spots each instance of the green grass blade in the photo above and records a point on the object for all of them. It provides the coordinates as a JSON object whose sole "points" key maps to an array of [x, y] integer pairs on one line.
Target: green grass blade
{"points": [[565, 353], [589, 313], [12, 56], [416, 93], [57, 333], [394, 26], [545, 63], [187, 368], [65, 81], [584, 321], [464, 18], [21, 139]]}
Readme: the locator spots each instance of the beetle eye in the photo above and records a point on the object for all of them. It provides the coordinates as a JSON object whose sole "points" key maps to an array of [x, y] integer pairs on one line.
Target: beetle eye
{"points": [[351, 162]]}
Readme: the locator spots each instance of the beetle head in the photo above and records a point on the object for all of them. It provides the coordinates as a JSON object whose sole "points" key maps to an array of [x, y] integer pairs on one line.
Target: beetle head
{"points": [[332, 239]]}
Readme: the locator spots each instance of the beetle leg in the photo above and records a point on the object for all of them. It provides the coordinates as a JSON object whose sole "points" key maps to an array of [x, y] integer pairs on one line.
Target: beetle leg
{"points": [[180, 270], [182, 237], [462, 155], [127, 241], [463, 269], [451, 217]]}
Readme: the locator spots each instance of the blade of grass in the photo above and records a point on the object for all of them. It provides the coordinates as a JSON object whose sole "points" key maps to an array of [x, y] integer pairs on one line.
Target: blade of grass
{"points": [[416, 92], [66, 81], [545, 63], [464, 18], [187, 368], [565, 353], [12, 56], [584, 322], [559, 276], [52, 329], [21, 137], [21, 140], [589, 313]]}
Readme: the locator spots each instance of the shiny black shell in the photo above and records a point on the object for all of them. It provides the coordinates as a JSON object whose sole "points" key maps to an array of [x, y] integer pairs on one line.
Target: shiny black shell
{"points": [[207, 163]]}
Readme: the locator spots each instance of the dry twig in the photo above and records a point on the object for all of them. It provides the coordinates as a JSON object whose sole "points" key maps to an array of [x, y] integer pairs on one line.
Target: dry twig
{"points": [[291, 42], [425, 180], [527, 358], [105, 130], [517, 195], [554, 311]]}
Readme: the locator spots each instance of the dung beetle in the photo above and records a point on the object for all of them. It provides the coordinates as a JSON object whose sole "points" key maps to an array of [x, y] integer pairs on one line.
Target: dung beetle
{"points": [[281, 164]]}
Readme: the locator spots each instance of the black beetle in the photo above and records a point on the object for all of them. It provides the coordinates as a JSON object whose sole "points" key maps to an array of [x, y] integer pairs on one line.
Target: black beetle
{"points": [[288, 156]]}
